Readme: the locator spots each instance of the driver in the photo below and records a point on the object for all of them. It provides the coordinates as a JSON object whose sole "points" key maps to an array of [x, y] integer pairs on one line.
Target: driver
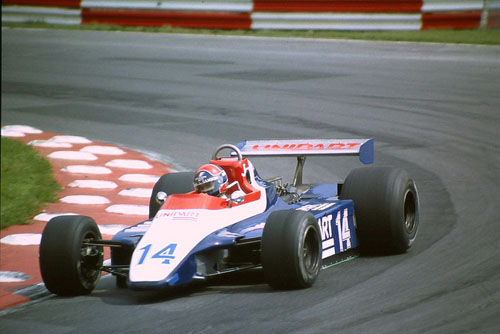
{"points": [[210, 179]]}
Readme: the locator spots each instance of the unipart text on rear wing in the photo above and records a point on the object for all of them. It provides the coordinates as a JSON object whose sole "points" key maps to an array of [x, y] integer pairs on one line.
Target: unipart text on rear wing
{"points": [[309, 147], [302, 148]]}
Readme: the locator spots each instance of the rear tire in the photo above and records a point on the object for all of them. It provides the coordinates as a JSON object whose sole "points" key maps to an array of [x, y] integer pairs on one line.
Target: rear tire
{"points": [[386, 205], [68, 267], [173, 183], [291, 249]]}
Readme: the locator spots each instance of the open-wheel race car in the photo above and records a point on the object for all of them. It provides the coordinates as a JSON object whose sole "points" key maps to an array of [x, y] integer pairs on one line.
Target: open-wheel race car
{"points": [[290, 230]]}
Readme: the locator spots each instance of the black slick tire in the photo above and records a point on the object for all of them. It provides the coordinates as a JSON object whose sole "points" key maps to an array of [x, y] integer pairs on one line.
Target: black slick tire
{"points": [[386, 206], [291, 250], [69, 267]]}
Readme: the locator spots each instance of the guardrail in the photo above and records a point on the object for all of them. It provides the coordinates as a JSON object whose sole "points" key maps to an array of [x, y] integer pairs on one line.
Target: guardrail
{"points": [[323, 21], [343, 6], [262, 14], [206, 20], [51, 15], [242, 6], [50, 3]]}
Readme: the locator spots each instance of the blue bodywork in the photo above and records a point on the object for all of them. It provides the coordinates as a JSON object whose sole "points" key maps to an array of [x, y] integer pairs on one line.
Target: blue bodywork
{"points": [[335, 219]]}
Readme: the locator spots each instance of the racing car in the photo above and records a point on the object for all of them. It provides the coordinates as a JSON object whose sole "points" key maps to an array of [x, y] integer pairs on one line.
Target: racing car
{"points": [[290, 230]]}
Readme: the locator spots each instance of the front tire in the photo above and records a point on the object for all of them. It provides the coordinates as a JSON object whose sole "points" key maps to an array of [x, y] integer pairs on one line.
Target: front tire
{"points": [[68, 266], [386, 205], [291, 250]]}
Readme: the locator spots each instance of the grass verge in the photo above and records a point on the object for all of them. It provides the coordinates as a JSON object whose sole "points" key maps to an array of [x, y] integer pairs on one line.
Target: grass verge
{"points": [[465, 36], [27, 183]]}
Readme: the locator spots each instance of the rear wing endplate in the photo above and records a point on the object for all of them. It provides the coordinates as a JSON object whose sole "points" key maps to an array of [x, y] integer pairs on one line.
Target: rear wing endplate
{"points": [[309, 147], [301, 148]]}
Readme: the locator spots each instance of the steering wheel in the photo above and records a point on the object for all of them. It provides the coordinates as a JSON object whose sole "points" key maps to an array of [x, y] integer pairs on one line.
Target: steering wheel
{"points": [[230, 147]]}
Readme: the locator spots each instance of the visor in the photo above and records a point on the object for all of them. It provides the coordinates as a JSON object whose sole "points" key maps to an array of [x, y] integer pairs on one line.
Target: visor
{"points": [[205, 187]]}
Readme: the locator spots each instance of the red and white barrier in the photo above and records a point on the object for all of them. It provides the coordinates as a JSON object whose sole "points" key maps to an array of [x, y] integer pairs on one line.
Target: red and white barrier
{"points": [[457, 14], [452, 6], [321, 21], [47, 3], [210, 14], [262, 14], [339, 6], [159, 18], [50, 15], [241, 6]]}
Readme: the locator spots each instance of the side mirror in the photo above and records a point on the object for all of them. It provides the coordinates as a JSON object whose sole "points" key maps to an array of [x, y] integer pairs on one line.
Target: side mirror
{"points": [[161, 197], [237, 197]]}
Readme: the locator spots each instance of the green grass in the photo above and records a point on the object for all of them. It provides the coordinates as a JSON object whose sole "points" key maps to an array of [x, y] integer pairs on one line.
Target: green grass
{"points": [[27, 183], [473, 36]]}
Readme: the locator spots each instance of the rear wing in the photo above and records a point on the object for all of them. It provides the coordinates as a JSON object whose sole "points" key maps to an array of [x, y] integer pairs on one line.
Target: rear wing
{"points": [[301, 148], [308, 147]]}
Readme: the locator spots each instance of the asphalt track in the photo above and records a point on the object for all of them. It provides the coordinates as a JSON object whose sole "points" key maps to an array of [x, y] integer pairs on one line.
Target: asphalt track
{"points": [[432, 109]]}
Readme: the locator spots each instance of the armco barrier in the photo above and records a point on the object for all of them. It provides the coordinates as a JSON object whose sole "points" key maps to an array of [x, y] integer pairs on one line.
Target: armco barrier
{"points": [[242, 6], [321, 21], [468, 20], [345, 6], [209, 14], [456, 14], [452, 6], [262, 14], [207, 20], [51, 15], [50, 3]]}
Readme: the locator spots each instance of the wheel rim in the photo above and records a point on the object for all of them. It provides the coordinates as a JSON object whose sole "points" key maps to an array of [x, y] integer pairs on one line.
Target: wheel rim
{"points": [[410, 211], [90, 262], [310, 250]]}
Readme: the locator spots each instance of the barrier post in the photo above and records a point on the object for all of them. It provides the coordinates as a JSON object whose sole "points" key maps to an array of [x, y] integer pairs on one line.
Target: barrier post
{"points": [[484, 15]]}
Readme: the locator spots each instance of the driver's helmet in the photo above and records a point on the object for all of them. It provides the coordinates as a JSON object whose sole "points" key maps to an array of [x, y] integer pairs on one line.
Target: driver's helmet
{"points": [[210, 179]]}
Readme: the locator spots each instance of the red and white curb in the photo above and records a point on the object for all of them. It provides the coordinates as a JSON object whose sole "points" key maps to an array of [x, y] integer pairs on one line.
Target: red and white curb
{"points": [[108, 183]]}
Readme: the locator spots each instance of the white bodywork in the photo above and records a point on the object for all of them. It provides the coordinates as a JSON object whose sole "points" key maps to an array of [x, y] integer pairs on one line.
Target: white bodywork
{"points": [[174, 233]]}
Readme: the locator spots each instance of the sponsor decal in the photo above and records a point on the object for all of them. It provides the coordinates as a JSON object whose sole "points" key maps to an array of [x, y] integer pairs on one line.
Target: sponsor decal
{"points": [[335, 233], [179, 215], [204, 178], [305, 146], [316, 207], [246, 168]]}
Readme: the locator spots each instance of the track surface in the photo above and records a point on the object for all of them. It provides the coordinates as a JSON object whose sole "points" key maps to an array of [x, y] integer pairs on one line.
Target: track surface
{"points": [[433, 109]]}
